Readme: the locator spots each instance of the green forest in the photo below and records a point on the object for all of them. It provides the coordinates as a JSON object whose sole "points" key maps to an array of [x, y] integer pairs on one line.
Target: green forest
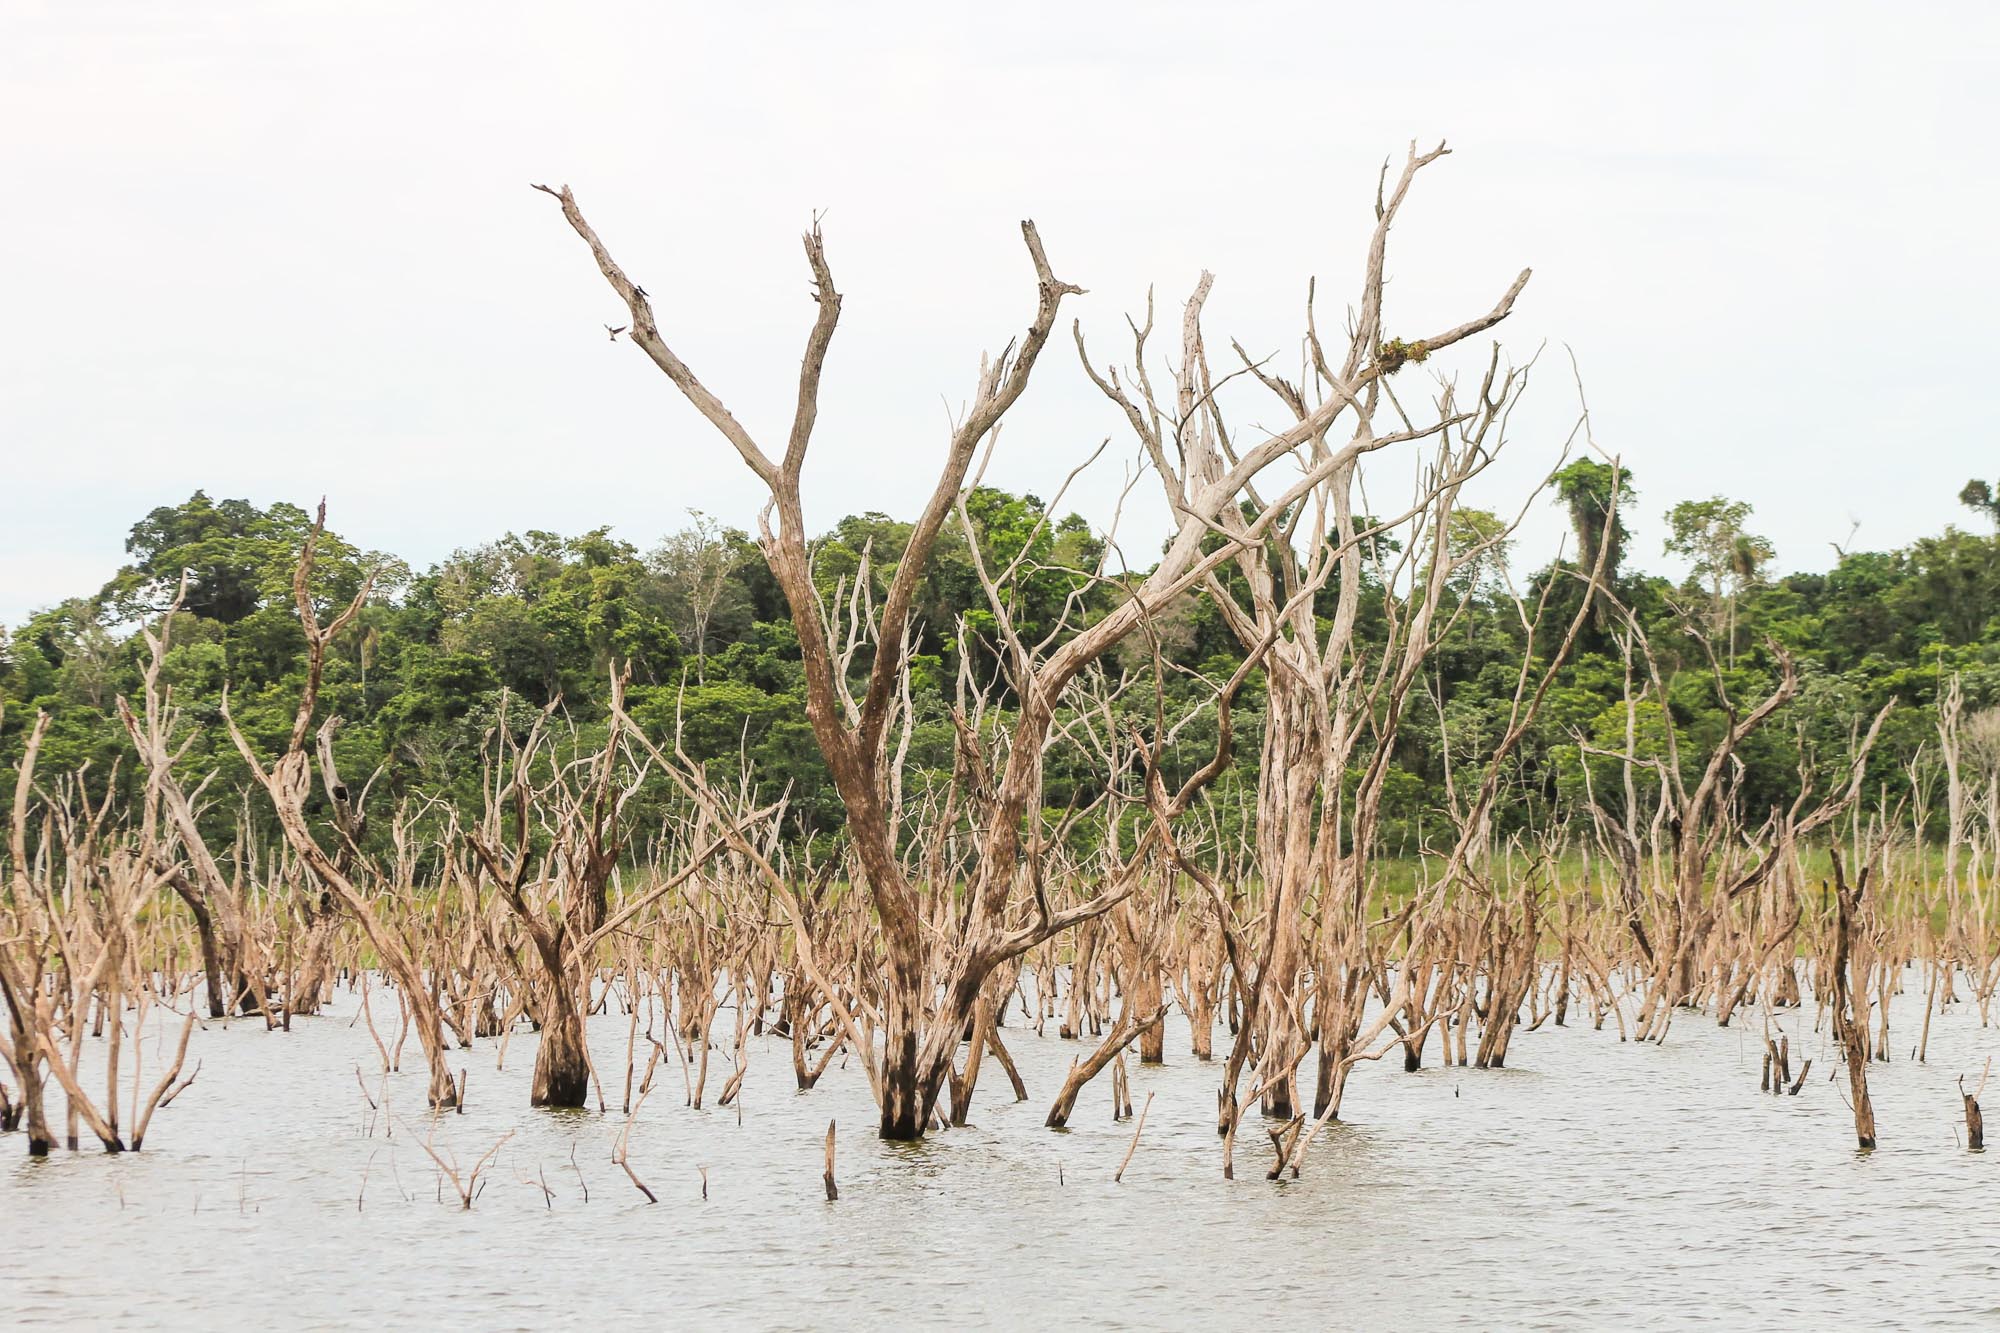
{"points": [[440, 659]]}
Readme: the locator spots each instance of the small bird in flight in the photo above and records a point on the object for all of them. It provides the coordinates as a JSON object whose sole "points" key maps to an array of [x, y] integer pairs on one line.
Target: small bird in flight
{"points": [[614, 332]]}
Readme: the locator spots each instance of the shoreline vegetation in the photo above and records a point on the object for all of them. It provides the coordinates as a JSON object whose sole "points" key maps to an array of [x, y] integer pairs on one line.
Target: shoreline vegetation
{"points": [[1328, 779]]}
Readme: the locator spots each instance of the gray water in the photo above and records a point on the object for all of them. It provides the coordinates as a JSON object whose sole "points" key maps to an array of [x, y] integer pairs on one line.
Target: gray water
{"points": [[1593, 1184]]}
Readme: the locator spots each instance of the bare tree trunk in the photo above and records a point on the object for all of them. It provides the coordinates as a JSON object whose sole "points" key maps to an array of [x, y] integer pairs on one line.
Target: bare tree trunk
{"points": [[908, 1093], [562, 1065], [211, 954], [851, 726], [1850, 1000]]}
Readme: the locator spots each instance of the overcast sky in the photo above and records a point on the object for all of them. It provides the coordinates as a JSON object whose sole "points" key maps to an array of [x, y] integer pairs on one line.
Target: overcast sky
{"points": [[285, 250]]}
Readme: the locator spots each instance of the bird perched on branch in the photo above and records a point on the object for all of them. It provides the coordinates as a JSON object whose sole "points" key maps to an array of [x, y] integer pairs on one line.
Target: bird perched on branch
{"points": [[614, 332]]}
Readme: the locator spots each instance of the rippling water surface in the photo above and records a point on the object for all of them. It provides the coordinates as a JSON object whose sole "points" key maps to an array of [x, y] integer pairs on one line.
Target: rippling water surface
{"points": [[1593, 1184]]}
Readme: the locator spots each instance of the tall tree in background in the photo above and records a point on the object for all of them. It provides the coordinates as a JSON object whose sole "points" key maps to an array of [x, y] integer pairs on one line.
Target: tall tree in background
{"points": [[236, 560], [1722, 553], [695, 564], [1596, 494], [1978, 496]]}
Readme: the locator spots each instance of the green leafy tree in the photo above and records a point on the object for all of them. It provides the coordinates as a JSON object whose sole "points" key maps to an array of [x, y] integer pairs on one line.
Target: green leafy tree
{"points": [[1979, 497], [1722, 553], [236, 559]]}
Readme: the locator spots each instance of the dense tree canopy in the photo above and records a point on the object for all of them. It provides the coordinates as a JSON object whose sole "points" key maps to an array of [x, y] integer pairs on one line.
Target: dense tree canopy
{"points": [[532, 621]]}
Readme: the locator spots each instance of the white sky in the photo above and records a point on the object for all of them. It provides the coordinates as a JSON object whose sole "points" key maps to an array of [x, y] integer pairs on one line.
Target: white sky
{"points": [[285, 250]]}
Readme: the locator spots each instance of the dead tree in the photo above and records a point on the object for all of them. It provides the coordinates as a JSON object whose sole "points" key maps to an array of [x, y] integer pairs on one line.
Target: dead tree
{"points": [[1849, 976], [288, 783], [1312, 538], [923, 1023], [581, 804], [233, 977], [74, 958], [24, 957]]}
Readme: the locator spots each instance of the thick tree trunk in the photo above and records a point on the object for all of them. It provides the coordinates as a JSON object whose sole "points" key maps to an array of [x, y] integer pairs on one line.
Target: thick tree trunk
{"points": [[904, 1104], [1203, 973], [562, 1066], [211, 954], [314, 976], [1080, 976], [1146, 997], [33, 1108], [908, 1087], [1331, 1083]]}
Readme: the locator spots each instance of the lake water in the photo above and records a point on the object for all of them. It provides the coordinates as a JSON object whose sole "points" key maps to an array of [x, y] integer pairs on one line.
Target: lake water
{"points": [[1592, 1184]]}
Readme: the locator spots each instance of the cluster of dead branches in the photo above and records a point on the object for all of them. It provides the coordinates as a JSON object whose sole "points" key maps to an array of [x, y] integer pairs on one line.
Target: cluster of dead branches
{"points": [[944, 909]]}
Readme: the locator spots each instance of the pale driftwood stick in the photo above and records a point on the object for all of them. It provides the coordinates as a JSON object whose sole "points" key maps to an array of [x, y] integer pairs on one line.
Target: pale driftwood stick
{"points": [[1006, 1059], [1125, 1029], [832, 1190], [362, 1193], [403, 1031], [181, 1086], [368, 1013], [1134, 1145], [468, 1187], [153, 1103], [620, 1155]]}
